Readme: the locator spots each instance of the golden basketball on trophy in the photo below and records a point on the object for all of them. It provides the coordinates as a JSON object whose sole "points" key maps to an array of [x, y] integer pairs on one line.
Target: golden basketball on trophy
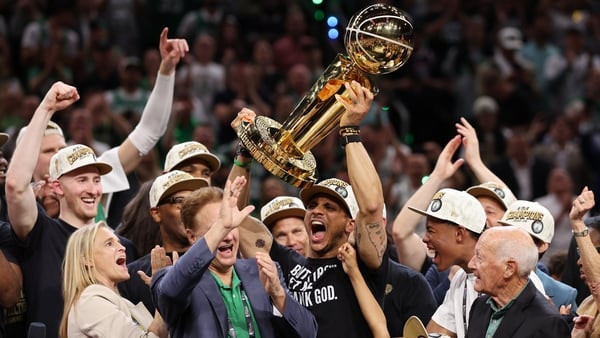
{"points": [[378, 40]]}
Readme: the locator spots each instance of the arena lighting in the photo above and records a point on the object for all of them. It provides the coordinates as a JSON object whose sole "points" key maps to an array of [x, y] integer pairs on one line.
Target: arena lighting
{"points": [[332, 21], [319, 15], [317, 2], [333, 33]]}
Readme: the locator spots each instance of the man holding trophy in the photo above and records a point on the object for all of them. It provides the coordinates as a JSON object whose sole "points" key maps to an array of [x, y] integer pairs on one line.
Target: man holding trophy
{"points": [[379, 40]]}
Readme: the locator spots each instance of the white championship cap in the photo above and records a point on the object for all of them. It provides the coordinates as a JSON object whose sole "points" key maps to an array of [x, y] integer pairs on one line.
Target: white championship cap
{"points": [[497, 191], [281, 207], [336, 189], [172, 182], [531, 217], [186, 150], [75, 157], [457, 207]]}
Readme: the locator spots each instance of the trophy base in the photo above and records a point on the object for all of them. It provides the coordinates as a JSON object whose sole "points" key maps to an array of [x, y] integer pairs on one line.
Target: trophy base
{"points": [[297, 169]]}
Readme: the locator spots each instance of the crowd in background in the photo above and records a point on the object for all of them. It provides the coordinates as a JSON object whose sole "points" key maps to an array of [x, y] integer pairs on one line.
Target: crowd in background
{"points": [[525, 73]]}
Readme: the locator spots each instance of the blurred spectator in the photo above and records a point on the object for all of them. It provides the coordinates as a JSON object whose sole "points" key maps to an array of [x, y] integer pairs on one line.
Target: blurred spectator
{"points": [[509, 79], [492, 143], [241, 91], [267, 75], [122, 23], [203, 20], [567, 72], [560, 148], [463, 59], [538, 50], [81, 130], [289, 49], [525, 175], [129, 98], [558, 201], [150, 65], [201, 75], [231, 46], [49, 49]]}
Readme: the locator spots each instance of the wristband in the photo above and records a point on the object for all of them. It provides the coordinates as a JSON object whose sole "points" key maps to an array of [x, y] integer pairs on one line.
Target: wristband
{"points": [[349, 139], [243, 151], [242, 164], [349, 130], [583, 233]]}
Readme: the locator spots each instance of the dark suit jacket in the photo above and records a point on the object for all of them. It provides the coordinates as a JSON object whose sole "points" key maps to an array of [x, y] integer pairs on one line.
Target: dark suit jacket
{"points": [[189, 300], [539, 176], [530, 316]]}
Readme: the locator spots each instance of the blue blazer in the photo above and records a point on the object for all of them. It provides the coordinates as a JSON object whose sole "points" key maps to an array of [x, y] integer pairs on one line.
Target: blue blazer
{"points": [[189, 300], [560, 293]]}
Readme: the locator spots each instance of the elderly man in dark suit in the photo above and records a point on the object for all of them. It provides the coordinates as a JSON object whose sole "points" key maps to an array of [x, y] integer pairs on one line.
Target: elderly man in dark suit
{"points": [[512, 306]]}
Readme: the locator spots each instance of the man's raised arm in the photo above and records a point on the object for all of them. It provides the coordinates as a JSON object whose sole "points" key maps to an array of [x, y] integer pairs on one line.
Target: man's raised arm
{"points": [[20, 198], [371, 238], [157, 111]]}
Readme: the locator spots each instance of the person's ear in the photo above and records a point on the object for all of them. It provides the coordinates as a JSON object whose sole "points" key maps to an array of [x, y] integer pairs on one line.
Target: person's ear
{"points": [[511, 268], [350, 226], [155, 214]]}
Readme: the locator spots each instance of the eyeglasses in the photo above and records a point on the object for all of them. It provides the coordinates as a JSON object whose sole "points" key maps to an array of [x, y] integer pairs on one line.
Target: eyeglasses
{"points": [[173, 200], [579, 253]]}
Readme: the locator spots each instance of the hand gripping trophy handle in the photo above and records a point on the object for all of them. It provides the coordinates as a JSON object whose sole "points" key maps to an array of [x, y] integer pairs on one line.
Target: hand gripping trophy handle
{"points": [[378, 40]]}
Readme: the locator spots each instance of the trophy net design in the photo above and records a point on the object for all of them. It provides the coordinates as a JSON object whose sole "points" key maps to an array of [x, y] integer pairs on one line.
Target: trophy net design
{"points": [[378, 40]]}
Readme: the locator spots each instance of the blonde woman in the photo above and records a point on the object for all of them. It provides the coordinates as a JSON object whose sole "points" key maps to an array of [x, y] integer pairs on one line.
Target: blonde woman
{"points": [[93, 266]]}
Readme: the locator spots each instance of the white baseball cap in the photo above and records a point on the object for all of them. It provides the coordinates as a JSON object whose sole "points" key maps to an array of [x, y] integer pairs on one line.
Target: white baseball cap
{"points": [[281, 207], [3, 138], [51, 129], [336, 189], [510, 38], [497, 191], [75, 157], [457, 207], [172, 182], [186, 150], [531, 217]]}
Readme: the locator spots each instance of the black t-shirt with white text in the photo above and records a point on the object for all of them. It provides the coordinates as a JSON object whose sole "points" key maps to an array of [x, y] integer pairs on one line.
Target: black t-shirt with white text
{"points": [[322, 286]]}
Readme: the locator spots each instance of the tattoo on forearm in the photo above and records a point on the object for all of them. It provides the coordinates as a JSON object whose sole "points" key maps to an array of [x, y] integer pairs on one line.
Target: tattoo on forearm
{"points": [[260, 243], [376, 235]]}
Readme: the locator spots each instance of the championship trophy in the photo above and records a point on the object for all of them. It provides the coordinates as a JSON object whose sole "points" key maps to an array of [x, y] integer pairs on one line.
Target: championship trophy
{"points": [[379, 40]]}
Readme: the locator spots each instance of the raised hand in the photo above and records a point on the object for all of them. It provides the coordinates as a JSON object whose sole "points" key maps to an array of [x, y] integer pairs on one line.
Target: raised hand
{"points": [[244, 115], [158, 261], [268, 274], [229, 215], [59, 97], [469, 141], [347, 255], [357, 105], [582, 204], [444, 168], [171, 52]]}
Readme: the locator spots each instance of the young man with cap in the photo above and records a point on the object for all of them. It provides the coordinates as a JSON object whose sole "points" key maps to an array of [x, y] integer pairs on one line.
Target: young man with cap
{"points": [[512, 306], [455, 220], [318, 280], [193, 158], [284, 216], [537, 221], [74, 176], [166, 197], [126, 157]]}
